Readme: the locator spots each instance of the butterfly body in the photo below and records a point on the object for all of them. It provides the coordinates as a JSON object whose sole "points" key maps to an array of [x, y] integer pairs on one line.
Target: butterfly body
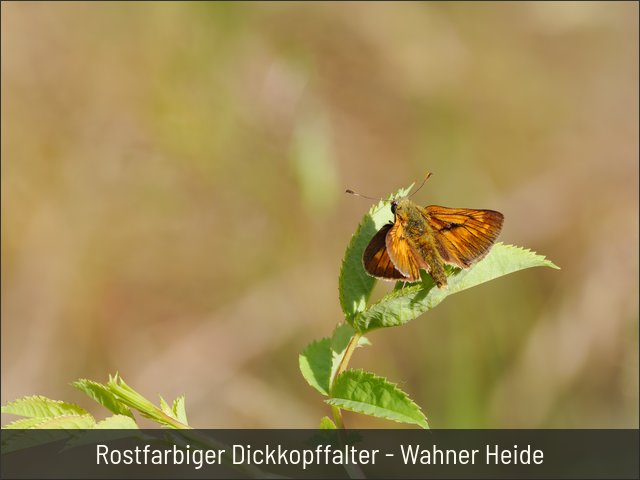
{"points": [[428, 238]]}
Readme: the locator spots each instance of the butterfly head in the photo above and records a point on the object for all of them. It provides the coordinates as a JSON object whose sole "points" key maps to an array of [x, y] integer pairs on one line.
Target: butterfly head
{"points": [[400, 207]]}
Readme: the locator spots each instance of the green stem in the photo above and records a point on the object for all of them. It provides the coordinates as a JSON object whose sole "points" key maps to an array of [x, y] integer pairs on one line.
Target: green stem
{"points": [[342, 366], [159, 414], [337, 417], [353, 471]]}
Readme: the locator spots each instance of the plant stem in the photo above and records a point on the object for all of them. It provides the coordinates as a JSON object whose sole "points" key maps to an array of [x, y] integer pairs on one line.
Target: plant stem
{"points": [[351, 346], [353, 471], [337, 417], [342, 366]]}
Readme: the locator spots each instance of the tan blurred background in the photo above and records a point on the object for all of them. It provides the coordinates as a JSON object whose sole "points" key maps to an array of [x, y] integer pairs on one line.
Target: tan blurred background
{"points": [[173, 201]]}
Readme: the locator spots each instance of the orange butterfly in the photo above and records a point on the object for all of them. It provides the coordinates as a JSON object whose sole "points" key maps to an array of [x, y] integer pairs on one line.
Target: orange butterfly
{"points": [[427, 238]]}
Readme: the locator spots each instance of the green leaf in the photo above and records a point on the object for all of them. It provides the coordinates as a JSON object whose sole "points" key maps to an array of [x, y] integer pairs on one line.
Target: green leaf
{"points": [[315, 365], [404, 304], [180, 410], [41, 407], [164, 406], [44, 414], [133, 399], [319, 361], [66, 422], [101, 394], [117, 422], [364, 392], [354, 284], [327, 424], [22, 424]]}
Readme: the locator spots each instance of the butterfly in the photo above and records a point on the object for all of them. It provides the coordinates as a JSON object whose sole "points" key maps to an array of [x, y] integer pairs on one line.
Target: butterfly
{"points": [[427, 238]]}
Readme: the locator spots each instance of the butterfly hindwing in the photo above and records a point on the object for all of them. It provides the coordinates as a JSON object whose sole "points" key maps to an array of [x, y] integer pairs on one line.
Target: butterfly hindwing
{"points": [[376, 259]]}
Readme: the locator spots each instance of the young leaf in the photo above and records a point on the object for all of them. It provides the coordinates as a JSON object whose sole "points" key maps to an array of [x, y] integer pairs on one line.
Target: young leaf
{"points": [[164, 406], [315, 365], [354, 284], [41, 407], [117, 422], [147, 409], [403, 305], [101, 394], [180, 410], [130, 397], [327, 424], [319, 361], [364, 392]]}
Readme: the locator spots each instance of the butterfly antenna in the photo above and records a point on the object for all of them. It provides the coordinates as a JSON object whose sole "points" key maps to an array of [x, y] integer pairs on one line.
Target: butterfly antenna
{"points": [[360, 195], [421, 185]]}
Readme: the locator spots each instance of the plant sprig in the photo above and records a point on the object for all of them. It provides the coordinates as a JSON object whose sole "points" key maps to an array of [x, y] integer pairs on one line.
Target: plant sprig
{"points": [[116, 396], [324, 363]]}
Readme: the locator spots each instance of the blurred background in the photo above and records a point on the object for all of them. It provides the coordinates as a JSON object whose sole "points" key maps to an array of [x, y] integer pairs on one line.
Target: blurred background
{"points": [[173, 201]]}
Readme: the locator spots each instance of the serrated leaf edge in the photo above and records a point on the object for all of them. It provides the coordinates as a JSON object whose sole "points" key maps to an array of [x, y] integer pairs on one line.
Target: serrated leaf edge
{"points": [[74, 409], [394, 386]]}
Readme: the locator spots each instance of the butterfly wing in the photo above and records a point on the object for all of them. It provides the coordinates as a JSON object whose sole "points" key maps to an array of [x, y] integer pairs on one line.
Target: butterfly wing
{"points": [[376, 259], [402, 254], [463, 235]]}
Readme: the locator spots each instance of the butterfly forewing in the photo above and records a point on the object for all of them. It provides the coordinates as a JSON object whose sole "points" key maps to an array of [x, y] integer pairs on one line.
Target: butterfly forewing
{"points": [[463, 235]]}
